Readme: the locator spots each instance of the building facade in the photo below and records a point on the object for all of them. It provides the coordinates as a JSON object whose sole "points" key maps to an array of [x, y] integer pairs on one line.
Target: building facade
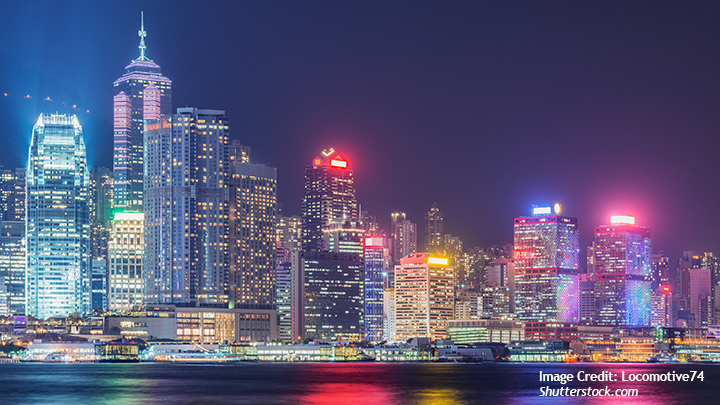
{"points": [[376, 262], [546, 257], [12, 264], [187, 209], [57, 226], [126, 251], [424, 296], [622, 273]]}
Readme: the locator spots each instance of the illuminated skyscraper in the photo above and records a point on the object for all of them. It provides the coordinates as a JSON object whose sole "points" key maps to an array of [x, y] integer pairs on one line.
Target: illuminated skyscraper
{"points": [[253, 206], [622, 273], [376, 262], [101, 210], [329, 194], [58, 226], [546, 256], [12, 264], [660, 274], [434, 241], [186, 208], [424, 296], [125, 276], [333, 296], [404, 235], [290, 278], [141, 92]]}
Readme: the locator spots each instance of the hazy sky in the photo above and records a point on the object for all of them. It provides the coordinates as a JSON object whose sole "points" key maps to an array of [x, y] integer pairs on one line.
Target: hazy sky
{"points": [[483, 107]]}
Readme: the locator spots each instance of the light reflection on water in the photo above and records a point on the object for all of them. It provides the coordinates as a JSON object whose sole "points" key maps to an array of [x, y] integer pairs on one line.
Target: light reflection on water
{"points": [[335, 383]]}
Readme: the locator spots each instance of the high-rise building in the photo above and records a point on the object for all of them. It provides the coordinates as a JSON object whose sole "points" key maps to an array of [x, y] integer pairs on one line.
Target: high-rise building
{"points": [[424, 296], [126, 250], [344, 236], [501, 273], [434, 230], [12, 264], [622, 273], [587, 298], [187, 209], [660, 274], [661, 307], [253, 206], [404, 234], [546, 256], [12, 194], [101, 210], [290, 280], [140, 93], [329, 195], [58, 226], [700, 292], [376, 265], [98, 281], [334, 296], [389, 315]]}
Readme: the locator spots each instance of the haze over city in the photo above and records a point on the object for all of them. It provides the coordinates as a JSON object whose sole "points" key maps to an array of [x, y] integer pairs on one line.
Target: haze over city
{"points": [[485, 108]]}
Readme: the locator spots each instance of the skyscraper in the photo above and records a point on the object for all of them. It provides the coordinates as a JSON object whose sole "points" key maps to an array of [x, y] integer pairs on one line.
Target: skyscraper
{"points": [[125, 276], [434, 241], [404, 234], [101, 210], [58, 227], [622, 273], [253, 206], [329, 194], [547, 256], [424, 296], [290, 278], [376, 262], [12, 264], [186, 208], [142, 90]]}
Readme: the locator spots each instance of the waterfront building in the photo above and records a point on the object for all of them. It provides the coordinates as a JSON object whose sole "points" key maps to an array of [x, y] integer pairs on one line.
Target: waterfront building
{"points": [[141, 92], [424, 296], [57, 227], [661, 307], [587, 298], [546, 257], [434, 230], [126, 250], [551, 331], [334, 296], [404, 234], [187, 209], [253, 255], [467, 331], [376, 261], [329, 195], [12, 264], [660, 274], [622, 273]]}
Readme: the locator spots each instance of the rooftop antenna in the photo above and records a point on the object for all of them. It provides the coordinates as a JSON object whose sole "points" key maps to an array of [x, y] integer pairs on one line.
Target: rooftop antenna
{"points": [[142, 34]]}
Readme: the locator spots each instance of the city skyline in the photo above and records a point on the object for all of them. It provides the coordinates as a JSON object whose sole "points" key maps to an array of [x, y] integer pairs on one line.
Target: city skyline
{"points": [[502, 111]]}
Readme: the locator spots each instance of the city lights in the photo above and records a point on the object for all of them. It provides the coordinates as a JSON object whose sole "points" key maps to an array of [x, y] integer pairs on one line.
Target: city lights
{"points": [[622, 220]]}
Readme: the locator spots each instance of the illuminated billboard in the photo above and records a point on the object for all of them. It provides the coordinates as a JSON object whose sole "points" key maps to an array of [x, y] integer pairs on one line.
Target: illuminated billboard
{"points": [[542, 210], [438, 260], [622, 219]]}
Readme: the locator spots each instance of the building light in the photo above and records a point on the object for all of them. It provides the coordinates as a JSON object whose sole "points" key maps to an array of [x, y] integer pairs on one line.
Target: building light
{"points": [[338, 163], [542, 210], [558, 209], [622, 219], [438, 260]]}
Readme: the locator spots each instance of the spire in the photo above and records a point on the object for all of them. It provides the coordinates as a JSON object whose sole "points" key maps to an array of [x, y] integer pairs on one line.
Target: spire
{"points": [[142, 34]]}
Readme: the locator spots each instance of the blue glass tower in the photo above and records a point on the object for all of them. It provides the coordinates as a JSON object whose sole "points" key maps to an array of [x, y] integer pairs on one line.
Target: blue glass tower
{"points": [[58, 226], [376, 255]]}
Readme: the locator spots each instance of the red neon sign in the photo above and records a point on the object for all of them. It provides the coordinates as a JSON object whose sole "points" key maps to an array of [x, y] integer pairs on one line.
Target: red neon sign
{"points": [[316, 162]]}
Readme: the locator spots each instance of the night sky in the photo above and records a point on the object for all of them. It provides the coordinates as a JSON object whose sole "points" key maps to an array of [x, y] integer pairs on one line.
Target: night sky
{"points": [[483, 107]]}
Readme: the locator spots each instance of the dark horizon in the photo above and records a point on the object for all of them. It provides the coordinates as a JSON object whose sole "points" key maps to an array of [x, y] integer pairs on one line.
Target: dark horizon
{"points": [[485, 108]]}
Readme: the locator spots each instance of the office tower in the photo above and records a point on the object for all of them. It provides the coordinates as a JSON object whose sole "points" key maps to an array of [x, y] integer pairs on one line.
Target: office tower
{"points": [[253, 206], [434, 230], [99, 284], [661, 307], [101, 210], [58, 227], [587, 298], [424, 296], [12, 264], [660, 274], [453, 250], [344, 236], [494, 301], [389, 315], [291, 298], [590, 259], [186, 208], [141, 91], [376, 265], [700, 292], [126, 251], [404, 234], [333, 296], [546, 266], [469, 304], [501, 273], [12, 194], [329, 194], [622, 273]]}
